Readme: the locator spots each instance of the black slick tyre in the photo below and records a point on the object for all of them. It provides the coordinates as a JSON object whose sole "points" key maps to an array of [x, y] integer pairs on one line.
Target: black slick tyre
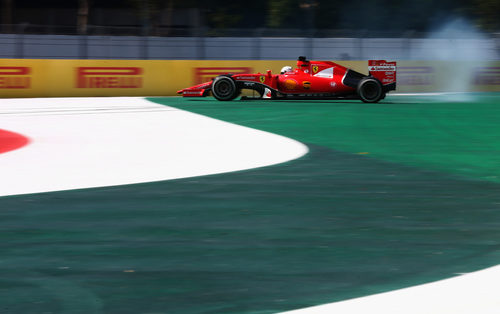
{"points": [[370, 90], [224, 88]]}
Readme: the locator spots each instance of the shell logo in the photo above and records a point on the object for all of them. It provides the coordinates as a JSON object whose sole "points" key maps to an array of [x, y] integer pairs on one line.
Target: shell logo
{"points": [[290, 84], [306, 84]]}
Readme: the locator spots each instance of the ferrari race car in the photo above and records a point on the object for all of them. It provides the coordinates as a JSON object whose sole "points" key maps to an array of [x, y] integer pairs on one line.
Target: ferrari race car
{"points": [[310, 80]]}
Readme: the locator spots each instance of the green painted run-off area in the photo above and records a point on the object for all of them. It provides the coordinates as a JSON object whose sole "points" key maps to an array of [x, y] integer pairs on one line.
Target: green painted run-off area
{"points": [[458, 134]]}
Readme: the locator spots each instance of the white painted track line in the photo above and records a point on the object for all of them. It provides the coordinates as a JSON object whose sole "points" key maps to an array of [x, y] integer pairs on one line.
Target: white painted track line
{"points": [[95, 142]]}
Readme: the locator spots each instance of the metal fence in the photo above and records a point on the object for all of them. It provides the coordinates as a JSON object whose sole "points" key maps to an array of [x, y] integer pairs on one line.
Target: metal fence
{"points": [[31, 41]]}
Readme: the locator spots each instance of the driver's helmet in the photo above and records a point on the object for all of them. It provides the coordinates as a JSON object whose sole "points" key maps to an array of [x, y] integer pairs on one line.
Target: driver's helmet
{"points": [[286, 69]]}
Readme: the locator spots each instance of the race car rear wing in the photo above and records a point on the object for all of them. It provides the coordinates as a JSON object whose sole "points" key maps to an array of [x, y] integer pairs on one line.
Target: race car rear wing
{"points": [[384, 71]]}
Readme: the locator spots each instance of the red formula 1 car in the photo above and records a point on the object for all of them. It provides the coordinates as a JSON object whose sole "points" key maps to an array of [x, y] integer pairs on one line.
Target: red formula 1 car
{"points": [[310, 80]]}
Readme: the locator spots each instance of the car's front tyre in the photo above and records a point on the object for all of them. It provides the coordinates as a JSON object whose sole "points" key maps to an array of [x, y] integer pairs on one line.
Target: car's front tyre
{"points": [[224, 88]]}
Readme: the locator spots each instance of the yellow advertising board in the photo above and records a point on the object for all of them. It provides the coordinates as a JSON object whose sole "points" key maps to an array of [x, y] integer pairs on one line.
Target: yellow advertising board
{"points": [[71, 78], [441, 76], [64, 78]]}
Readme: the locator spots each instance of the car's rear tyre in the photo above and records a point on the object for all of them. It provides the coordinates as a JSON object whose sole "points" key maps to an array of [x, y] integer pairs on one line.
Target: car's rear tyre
{"points": [[370, 90], [224, 88]]}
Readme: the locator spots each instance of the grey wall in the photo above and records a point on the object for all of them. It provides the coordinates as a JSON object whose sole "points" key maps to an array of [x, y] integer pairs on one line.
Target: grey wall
{"points": [[240, 48]]}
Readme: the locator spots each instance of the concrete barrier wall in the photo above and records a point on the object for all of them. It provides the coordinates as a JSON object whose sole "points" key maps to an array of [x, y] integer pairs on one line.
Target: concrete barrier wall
{"points": [[61, 78], [242, 48]]}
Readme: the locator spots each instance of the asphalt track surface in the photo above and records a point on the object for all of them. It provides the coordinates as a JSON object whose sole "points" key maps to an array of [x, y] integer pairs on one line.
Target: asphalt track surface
{"points": [[391, 195]]}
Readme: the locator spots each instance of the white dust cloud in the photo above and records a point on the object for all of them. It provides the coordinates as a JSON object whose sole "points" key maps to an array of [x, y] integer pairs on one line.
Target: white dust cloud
{"points": [[464, 48]]}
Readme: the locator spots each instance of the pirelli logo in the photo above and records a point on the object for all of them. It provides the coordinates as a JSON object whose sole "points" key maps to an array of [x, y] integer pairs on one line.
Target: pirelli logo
{"points": [[415, 76], [202, 75], [15, 77], [487, 76], [109, 77]]}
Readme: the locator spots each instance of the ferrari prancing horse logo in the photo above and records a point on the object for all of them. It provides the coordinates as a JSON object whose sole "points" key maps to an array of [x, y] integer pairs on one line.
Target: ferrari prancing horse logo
{"points": [[262, 79], [315, 69]]}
